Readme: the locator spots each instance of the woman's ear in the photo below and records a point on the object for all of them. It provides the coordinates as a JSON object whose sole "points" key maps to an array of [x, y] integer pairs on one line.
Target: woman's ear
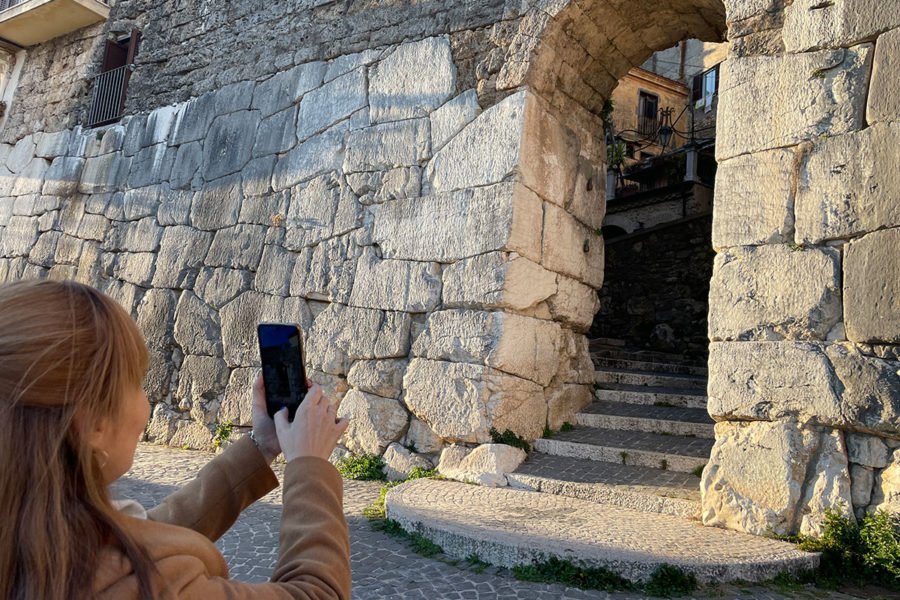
{"points": [[97, 432]]}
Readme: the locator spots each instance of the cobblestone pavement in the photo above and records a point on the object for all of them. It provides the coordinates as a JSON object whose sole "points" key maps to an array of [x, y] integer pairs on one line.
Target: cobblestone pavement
{"points": [[383, 567]]}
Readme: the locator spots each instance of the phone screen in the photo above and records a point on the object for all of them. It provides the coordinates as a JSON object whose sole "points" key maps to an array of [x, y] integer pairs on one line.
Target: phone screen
{"points": [[282, 365]]}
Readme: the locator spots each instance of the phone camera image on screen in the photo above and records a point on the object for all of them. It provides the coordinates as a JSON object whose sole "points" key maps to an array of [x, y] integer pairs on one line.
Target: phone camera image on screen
{"points": [[282, 365]]}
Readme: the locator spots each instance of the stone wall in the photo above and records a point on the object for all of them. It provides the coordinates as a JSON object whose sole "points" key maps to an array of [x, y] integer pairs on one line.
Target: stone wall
{"points": [[656, 287]]}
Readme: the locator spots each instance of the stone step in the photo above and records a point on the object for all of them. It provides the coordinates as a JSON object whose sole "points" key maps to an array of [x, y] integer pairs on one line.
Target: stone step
{"points": [[643, 355], [649, 395], [666, 420], [666, 452], [508, 527], [642, 365], [650, 378], [640, 488]]}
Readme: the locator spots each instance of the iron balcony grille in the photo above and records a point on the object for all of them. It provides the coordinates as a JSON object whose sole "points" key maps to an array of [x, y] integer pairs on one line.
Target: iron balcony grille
{"points": [[647, 125], [4, 4], [108, 98]]}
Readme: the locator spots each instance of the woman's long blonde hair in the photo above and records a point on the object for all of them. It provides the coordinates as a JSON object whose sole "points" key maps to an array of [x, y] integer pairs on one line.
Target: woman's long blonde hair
{"points": [[66, 351]]}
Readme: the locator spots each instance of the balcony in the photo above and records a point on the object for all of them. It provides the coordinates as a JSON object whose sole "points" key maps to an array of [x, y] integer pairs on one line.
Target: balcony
{"points": [[30, 22]]}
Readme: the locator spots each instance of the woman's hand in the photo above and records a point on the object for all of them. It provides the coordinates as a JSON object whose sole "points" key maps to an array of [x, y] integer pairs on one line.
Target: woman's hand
{"points": [[315, 429], [263, 426]]}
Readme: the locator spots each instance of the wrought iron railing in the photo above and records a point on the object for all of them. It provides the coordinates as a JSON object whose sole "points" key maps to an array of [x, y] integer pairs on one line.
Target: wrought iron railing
{"points": [[647, 125], [108, 97]]}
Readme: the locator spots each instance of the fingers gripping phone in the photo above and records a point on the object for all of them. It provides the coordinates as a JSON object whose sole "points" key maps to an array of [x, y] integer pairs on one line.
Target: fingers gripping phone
{"points": [[284, 376]]}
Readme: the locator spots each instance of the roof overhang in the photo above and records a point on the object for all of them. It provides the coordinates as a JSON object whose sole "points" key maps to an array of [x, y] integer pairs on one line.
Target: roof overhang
{"points": [[36, 21]]}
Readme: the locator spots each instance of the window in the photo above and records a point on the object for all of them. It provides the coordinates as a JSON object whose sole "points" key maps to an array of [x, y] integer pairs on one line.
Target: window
{"points": [[648, 109], [705, 88], [110, 86]]}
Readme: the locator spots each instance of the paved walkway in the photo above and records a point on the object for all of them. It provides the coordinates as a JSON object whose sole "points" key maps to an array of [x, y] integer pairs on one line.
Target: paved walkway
{"points": [[383, 567]]}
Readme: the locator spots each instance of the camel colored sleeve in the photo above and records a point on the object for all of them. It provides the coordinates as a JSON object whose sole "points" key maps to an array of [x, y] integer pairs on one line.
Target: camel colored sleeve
{"points": [[212, 502]]}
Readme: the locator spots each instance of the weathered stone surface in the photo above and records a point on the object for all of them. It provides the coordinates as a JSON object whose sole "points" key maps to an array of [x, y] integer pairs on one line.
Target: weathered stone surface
{"points": [[884, 104], [201, 378], [341, 334], [486, 151], [570, 248], [181, 253], [286, 88], [867, 450], [257, 181], [400, 462], [322, 209], [402, 285], [323, 153], [576, 365], [451, 457], [197, 328], [31, 179], [277, 133], [187, 163], [191, 435], [487, 465], [174, 207], [872, 288], [886, 493], [151, 165], [549, 152], [497, 280], [755, 476], [774, 292], [156, 318], [335, 101], [422, 438], [522, 346], [402, 86], [389, 145], [326, 271], [158, 379], [104, 174], [229, 143], [19, 236], [452, 226], [778, 101], [829, 486], [871, 394], [138, 203], [375, 422], [858, 195], [63, 176], [449, 119], [136, 236], [377, 187], [161, 426], [217, 205], [21, 154], [52, 145], [239, 318], [44, 250], [238, 247], [274, 273], [574, 304], [588, 203], [218, 287], [237, 406], [811, 24], [862, 480], [465, 413], [564, 402], [380, 377], [754, 200]]}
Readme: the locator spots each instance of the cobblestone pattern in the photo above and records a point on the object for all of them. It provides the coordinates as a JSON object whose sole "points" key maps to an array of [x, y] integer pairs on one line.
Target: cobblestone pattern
{"points": [[382, 566]]}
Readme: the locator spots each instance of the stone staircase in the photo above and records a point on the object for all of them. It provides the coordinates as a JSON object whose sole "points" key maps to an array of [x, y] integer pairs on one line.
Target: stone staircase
{"points": [[641, 444]]}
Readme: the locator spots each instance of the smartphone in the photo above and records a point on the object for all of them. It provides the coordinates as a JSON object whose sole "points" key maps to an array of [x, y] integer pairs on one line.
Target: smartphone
{"points": [[284, 376]]}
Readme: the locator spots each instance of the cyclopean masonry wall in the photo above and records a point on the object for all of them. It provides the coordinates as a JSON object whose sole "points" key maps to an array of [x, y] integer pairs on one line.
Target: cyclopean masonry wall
{"points": [[432, 229]]}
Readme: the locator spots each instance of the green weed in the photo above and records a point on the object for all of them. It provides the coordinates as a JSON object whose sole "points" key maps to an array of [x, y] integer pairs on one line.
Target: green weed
{"points": [[668, 581], [362, 468], [567, 427], [510, 439], [223, 433], [698, 472], [556, 570]]}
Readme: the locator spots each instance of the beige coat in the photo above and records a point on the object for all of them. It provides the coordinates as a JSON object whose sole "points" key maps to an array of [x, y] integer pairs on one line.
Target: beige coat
{"points": [[314, 553]]}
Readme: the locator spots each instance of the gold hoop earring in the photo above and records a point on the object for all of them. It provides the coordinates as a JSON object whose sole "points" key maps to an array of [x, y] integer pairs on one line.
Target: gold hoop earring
{"points": [[105, 458]]}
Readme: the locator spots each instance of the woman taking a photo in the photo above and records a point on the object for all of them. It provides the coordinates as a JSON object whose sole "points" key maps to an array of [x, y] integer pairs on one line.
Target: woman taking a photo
{"points": [[71, 414]]}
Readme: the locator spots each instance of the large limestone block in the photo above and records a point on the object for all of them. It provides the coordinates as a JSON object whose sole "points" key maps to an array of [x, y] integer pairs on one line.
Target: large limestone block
{"points": [[174, 207], [133, 267], [884, 90], [285, 88], [886, 493], [402, 285], [218, 287], [486, 151], [387, 146], [859, 193], [229, 143], [776, 101], [19, 236], [197, 328], [829, 487], [774, 292], [566, 401], [588, 203], [103, 174], [867, 450], [574, 304], [526, 347], [201, 378], [151, 165], [238, 247], [239, 318], [487, 465], [375, 422], [156, 318], [755, 476], [570, 248], [321, 209], [31, 179], [380, 377], [455, 225], [462, 402], [548, 158], [21, 154], [277, 133], [63, 176], [342, 334], [237, 405], [754, 200], [52, 145], [497, 280], [192, 435], [575, 365], [872, 288], [449, 119], [181, 253], [275, 270], [138, 203], [422, 438], [400, 462], [323, 153], [772, 381], [335, 101], [813, 24], [862, 480], [326, 271], [217, 205], [412, 81], [871, 389]]}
